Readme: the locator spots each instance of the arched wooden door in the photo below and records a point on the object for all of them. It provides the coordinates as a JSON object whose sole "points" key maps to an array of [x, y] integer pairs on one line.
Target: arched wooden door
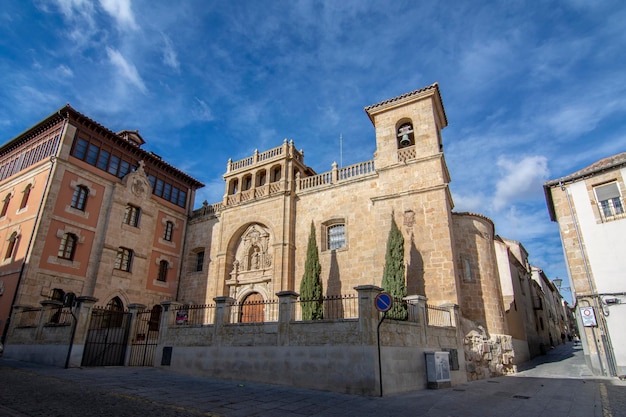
{"points": [[252, 309]]}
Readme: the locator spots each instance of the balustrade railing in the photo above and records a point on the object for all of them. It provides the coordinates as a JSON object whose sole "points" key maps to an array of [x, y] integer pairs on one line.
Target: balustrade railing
{"points": [[438, 316]]}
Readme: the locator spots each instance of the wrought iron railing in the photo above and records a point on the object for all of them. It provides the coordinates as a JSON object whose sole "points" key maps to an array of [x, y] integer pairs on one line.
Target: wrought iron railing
{"points": [[334, 307]]}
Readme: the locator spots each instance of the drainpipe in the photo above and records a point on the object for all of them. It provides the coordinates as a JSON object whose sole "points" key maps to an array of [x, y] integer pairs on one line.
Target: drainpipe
{"points": [[587, 272]]}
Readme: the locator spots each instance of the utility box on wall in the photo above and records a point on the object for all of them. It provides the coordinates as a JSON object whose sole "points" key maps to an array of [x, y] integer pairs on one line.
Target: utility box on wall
{"points": [[438, 369]]}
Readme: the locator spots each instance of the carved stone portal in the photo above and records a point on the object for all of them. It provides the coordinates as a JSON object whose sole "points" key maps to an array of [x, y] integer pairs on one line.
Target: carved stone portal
{"points": [[253, 259]]}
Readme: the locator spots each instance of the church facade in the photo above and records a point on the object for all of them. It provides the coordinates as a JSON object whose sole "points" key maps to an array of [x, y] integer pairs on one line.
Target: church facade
{"points": [[252, 244]]}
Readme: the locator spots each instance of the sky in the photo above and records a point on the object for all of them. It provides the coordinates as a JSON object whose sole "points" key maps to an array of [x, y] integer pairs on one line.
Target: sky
{"points": [[533, 90]]}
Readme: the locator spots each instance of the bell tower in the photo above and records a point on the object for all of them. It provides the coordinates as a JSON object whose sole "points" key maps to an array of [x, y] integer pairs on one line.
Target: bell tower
{"points": [[408, 127]]}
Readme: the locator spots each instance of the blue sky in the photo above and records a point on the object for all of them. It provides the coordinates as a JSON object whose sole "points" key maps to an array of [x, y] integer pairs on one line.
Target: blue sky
{"points": [[532, 90]]}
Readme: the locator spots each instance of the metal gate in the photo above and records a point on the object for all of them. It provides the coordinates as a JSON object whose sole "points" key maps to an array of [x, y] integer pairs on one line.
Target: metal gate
{"points": [[107, 338], [145, 337]]}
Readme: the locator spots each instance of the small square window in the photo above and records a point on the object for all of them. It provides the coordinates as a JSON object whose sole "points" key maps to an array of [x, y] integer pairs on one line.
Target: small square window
{"points": [[609, 200], [335, 236]]}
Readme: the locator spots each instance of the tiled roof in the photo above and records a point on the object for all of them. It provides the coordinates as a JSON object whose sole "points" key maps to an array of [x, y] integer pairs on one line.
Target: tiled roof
{"points": [[434, 87], [405, 95], [599, 166]]}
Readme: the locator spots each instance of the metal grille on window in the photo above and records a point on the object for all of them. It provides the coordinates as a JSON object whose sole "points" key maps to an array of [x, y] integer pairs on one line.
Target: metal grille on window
{"points": [[336, 236]]}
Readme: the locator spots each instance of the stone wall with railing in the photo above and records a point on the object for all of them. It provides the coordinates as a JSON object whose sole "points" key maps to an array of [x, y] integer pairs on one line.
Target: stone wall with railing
{"points": [[338, 354]]}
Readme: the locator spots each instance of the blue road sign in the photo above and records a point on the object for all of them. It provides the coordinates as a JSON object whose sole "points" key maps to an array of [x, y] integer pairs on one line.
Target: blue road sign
{"points": [[383, 302]]}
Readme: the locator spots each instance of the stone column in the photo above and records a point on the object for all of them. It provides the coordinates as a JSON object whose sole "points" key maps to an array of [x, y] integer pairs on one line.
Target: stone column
{"points": [[286, 314], [368, 315], [84, 307], [222, 316]]}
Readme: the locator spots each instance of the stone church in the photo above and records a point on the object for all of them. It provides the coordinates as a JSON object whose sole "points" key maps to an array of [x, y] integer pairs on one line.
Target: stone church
{"points": [[252, 244]]}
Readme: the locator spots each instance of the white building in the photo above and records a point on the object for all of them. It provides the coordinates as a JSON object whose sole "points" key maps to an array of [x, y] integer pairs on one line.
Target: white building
{"points": [[589, 207]]}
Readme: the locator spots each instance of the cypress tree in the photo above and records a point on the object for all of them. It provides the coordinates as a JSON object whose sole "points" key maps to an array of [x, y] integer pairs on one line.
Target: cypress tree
{"points": [[311, 285], [393, 273]]}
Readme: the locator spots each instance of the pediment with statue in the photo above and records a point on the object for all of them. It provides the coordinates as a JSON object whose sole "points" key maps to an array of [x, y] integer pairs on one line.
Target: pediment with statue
{"points": [[253, 257]]}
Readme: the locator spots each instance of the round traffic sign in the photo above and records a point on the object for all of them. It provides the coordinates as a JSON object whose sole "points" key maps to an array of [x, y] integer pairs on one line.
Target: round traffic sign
{"points": [[383, 302]]}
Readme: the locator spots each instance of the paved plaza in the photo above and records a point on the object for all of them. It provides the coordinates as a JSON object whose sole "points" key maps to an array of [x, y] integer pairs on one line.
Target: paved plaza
{"points": [[558, 384]]}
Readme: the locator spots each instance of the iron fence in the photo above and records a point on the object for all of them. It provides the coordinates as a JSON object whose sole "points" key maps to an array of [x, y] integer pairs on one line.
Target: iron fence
{"points": [[262, 311], [188, 315], [334, 307]]}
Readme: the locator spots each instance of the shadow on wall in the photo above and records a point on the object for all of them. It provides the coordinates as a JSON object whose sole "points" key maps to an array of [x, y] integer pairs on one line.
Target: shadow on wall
{"points": [[333, 289], [415, 271]]}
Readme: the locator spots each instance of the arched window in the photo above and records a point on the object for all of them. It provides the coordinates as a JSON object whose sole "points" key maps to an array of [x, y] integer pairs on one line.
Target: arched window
{"points": [[169, 230], [67, 246], [131, 215], [261, 178], [233, 186], [11, 246], [276, 173], [5, 205], [79, 199], [124, 259], [246, 182], [25, 195], [405, 135], [163, 267]]}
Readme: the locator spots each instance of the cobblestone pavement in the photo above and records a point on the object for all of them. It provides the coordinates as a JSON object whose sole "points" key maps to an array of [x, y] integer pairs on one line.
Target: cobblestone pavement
{"points": [[556, 385]]}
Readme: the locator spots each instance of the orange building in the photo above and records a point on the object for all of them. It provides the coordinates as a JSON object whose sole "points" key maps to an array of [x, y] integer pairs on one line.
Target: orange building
{"points": [[88, 211]]}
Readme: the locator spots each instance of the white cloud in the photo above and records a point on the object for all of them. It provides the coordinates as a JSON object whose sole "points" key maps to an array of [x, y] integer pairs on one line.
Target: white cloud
{"points": [[202, 111], [127, 70], [169, 53], [121, 11], [522, 181], [64, 71]]}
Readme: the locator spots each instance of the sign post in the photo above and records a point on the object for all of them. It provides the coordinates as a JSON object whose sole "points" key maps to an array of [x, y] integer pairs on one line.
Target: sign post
{"points": [[383, 303], [588, 317]]}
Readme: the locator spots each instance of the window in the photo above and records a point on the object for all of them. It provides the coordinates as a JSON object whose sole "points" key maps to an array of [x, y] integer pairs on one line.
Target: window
{"points": [[609, 199], [163, 267], [199, 261], [80, 149], [405, 135], [25, 196], [11, 246], [131, 215], [68, 246], [5, 205], [169, 229], [336, 236], [124, 259], [79, 199]]}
